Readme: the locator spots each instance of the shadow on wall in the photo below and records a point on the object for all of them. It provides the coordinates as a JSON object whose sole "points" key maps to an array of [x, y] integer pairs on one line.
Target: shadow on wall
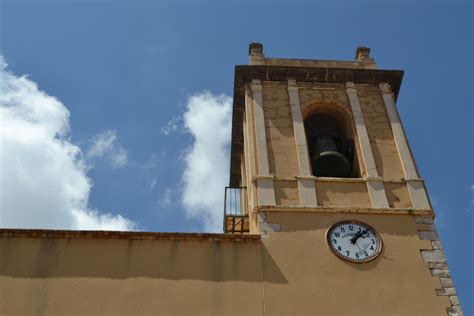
{"points": [[368, 266], [121, 259], [378, 159], [391, 224]]}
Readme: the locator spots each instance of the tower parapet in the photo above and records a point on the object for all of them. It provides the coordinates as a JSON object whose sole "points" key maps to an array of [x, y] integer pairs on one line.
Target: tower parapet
{"points": [[362, 60]]}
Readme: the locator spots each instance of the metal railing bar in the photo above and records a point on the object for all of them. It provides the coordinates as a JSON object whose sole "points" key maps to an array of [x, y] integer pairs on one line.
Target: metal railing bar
{"points": [[235, 205]]}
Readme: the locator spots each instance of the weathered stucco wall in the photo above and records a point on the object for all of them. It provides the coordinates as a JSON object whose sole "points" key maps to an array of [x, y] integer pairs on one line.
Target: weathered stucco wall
{"points": [[322, 94], [51, 276], [282, 157], [380, 133], [350, 194], [397, 195], [286, 192], [398, 282], [289, 272]]}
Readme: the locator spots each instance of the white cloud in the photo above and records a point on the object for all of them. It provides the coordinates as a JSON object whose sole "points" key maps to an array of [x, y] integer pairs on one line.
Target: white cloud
{"points": [[153, 183], [43, 178], [166, 198], [172, 126], [208, 119], [105, 145], [151, 164], [93, 220]]}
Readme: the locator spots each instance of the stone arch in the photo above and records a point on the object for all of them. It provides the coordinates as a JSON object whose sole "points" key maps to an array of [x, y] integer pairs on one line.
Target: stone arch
{"points": [[343, 119], [341, 112]]}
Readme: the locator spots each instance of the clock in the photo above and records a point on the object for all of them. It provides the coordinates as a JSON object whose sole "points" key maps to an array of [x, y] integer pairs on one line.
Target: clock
{"points": [[354, 241]]}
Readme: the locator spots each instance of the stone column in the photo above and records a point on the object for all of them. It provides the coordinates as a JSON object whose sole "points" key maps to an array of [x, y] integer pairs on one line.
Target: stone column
{"points": [[374, 184], [306, 186], [415, 185], [265, 189]]}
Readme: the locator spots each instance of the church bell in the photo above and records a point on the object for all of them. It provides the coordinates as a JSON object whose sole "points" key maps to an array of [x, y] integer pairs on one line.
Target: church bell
{"points": [[331, 154]]}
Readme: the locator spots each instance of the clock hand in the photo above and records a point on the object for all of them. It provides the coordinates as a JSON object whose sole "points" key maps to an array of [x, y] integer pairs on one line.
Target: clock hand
{"points": [[357, 236], [353, 239]]}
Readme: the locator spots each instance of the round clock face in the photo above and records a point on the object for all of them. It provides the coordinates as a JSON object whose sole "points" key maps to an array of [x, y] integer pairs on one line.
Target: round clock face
{"points": [[354, 241]]}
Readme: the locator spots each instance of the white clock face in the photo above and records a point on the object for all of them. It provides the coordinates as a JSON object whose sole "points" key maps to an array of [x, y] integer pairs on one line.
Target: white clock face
{"points": [[354, 241]]}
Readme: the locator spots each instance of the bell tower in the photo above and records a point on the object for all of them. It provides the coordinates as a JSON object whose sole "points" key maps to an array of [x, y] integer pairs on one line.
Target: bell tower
{"points": [[327, 178]]}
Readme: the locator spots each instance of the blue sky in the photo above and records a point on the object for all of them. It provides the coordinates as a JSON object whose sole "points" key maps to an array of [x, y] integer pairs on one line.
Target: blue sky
{"points": [[128, 72]]}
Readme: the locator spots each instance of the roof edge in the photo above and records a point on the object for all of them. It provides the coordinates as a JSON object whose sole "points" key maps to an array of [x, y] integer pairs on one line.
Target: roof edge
{"points": [[132, 235]]}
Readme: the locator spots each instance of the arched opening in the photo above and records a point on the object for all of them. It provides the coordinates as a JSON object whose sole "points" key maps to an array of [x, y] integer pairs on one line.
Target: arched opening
{"points": [[330, 144]]}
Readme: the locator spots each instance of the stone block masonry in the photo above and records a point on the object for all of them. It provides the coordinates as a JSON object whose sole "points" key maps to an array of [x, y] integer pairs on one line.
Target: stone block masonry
{"points": [[265, 227], [437, 264]]}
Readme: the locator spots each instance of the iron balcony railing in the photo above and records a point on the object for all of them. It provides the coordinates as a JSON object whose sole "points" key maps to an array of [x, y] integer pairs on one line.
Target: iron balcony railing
{"points": [[235, 207]]}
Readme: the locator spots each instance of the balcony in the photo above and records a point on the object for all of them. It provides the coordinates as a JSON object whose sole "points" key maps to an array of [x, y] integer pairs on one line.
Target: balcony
{"points": [[236, 219]]}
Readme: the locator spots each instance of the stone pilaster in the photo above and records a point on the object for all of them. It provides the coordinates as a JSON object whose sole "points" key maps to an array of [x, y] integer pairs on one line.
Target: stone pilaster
{"points": [[375, 186], [437, 263], [249, 144], [306, 187], [397, 129], [416, 188], [265, 189], [419, 198]]}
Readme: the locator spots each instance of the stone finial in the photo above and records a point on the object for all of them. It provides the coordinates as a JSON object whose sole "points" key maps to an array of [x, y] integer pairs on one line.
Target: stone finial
{"points": [[362, 53], [256, 49], [256, 54]]}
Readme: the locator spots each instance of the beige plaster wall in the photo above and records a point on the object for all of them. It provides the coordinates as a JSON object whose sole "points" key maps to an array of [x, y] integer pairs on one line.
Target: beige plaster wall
{"points": [[291, 272], [282, 156], [350, 194], [380, 133], [397, 195], [398, 282], [46, 276], [286, 192]]}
